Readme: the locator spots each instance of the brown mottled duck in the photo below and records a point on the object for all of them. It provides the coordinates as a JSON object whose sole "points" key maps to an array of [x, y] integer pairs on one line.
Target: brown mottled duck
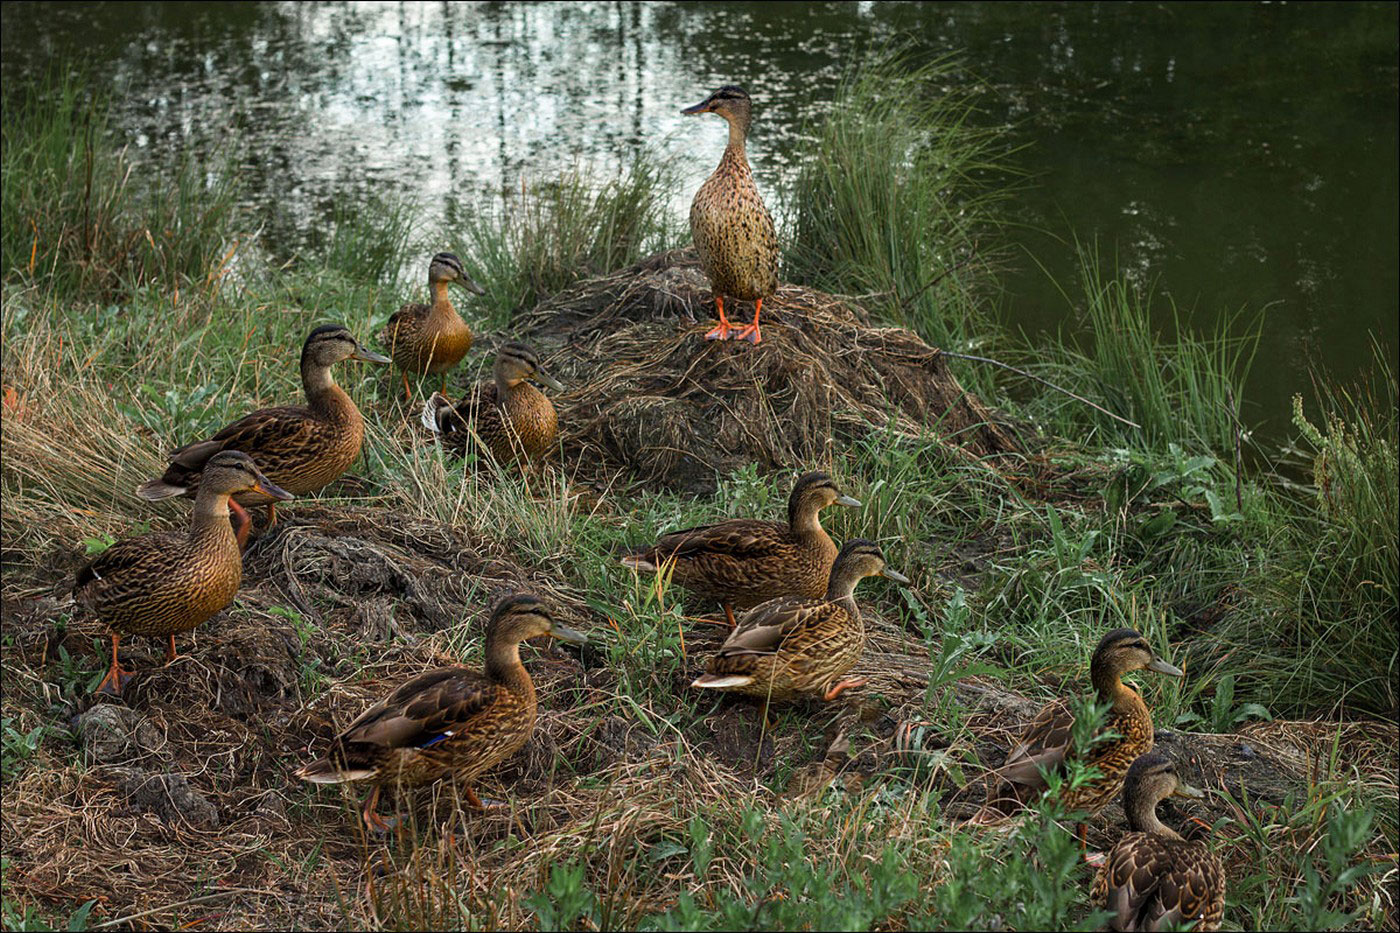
{"points": [[431, 338], [789, 648], [453, 722], [168, 582], [732, 228], [744, 561], [1046, 743], [1153, 879], [512, 418], [301, 448]]}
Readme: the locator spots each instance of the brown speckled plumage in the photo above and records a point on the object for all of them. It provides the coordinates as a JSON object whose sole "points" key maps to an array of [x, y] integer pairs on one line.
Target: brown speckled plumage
{"points": [[788, 648], [1153, 879], [733, 231], [1046, 742], [431, 338], [301, 448], [452, 722], [515, 420], [744, 561], [165, 583]]}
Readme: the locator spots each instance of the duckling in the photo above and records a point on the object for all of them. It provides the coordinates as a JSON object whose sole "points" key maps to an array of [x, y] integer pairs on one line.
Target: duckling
{"points": [[744, 561], [732, 228], [510, 416], [453, 722], [1046, 744], [789, 648], [431, 338], [1153, 879], [301, 448], [169, 582]]}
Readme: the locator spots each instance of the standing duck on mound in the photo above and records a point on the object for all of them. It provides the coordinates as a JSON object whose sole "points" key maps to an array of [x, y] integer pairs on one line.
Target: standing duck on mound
{"points": [[431, 338], [1153, 879], [514, 420], [169, 582], [453, 722], [788, 648], [744, 561], [301, 448], [1047, 742], [733, 231]]}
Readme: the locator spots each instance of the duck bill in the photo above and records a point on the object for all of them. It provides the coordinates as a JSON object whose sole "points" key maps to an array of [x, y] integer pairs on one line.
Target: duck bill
{"points": [[1186, 790], [1162, 667], [702, 107], [365, 355], [472, 286], [564, 633], [268, 488], [894, 575], [848, 501], [549, 381]]}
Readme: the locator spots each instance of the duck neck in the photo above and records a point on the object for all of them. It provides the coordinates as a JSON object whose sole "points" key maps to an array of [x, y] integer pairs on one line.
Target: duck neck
{"points": [[1142, 816], [505, 386], [1111, 689], [322, 394], [503, 667], [804, 518], [841, 588], [442, 305], [210, 520], [738, 136]]}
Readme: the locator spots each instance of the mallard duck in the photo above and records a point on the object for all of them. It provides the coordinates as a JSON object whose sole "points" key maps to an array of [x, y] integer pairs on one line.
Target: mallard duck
{"points": [[788, 648], [733, 231], [1046, 741], [169, 582], [450, 722], [510, 416], [744, 561], [1153, 879], [431, 338], [301, 448]]}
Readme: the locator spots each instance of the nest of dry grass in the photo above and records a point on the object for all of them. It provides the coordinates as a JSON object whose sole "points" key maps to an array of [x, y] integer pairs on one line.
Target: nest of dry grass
{"points": [[649, 397]]}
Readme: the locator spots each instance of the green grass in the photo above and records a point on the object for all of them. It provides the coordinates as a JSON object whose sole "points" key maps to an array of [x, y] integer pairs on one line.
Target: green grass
{"points": [[896, 201], [1276, 602]]}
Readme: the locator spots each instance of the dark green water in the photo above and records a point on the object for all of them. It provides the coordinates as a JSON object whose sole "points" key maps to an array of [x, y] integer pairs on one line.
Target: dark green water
{"points": [[1234, 155]]}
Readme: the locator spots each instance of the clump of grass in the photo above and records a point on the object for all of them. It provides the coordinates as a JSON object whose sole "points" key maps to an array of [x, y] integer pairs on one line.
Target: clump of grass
{"points": [[372, 242], [80, 214], [1183, 390], [895, 200], [1332, 637], [551, 234]]}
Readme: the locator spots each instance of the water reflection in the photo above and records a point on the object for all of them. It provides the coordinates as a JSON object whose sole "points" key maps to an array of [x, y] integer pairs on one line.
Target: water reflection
{"points": [[1233, 154]]}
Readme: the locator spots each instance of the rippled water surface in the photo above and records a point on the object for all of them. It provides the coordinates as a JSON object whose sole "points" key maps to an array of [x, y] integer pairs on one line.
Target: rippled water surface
{"points": [[1237, 156]]}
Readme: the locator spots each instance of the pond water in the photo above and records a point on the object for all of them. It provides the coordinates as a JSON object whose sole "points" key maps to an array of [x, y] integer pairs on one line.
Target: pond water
{"points": [[1235, 155]]}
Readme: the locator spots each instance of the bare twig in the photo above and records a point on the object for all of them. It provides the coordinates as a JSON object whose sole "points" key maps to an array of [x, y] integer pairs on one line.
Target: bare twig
{"points": [[1022, 372], [187, 903]]}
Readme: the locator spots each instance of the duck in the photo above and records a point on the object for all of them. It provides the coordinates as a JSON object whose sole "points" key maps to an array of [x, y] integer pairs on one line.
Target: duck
{"points": [[450, 722], [514, 420], [1045, 746], [742, 562], [431, 338], [792, 648], [733, 231], [301, 448], [1154, 879], [165, 583]]}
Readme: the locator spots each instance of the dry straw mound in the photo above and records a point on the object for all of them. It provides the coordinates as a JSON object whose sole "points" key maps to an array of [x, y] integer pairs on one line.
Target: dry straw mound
{"points": [[649, 396]]}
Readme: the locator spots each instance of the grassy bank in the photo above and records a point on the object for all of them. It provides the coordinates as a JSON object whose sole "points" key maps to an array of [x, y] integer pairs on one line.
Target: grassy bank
{"points": [[1279, 601]]}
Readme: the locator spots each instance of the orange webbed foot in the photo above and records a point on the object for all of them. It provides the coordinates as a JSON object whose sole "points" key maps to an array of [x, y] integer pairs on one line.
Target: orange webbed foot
{"points": [[750, 332], [723, 330], [835, 691]]}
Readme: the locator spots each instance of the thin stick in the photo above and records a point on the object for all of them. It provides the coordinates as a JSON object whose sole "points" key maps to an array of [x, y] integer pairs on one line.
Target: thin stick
{"points": [[1022, 372], [1239, 458], [194, 900]]}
